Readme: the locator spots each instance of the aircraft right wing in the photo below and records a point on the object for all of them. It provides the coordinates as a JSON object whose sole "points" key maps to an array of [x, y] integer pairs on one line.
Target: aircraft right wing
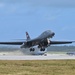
{"points": [[12, 43], [61, 42]]}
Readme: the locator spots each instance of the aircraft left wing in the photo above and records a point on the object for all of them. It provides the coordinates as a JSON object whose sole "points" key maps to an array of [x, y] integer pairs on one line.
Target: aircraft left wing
{"points": [[12, 43], [61, 42], [36, 42]]}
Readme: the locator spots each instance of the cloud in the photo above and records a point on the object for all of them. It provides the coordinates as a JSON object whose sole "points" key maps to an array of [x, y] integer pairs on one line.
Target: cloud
{"points": [[31, 6], [2, 5], [53, 16], [65, 28], [53, 3], [7, 8]]}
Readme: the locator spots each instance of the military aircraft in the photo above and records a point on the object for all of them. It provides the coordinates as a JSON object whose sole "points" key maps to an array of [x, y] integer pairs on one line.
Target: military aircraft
{"points": [[41, 43]]}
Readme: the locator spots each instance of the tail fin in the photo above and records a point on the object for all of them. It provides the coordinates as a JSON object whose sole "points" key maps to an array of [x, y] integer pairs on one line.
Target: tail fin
{"points": [[27, 36]]}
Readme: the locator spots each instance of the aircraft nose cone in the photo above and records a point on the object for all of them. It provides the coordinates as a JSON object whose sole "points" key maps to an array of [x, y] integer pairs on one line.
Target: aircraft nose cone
{"points": [[53, 34]]}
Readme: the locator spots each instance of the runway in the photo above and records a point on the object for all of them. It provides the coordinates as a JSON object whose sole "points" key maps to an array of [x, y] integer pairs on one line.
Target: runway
{"points": [[48, 57]]}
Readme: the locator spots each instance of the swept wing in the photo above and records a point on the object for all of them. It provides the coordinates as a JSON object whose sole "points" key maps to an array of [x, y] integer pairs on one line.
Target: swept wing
{"points": [[36, 41], [61, 42], [12, 43]]}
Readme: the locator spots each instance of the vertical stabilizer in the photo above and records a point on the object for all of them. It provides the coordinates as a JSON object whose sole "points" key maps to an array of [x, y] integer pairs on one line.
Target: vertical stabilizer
{"points": [[27, 36]]}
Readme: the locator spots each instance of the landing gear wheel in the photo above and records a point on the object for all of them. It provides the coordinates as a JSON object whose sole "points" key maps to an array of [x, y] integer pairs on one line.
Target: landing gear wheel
{"points": [[42, 49], [45, 54], [32, 49]]}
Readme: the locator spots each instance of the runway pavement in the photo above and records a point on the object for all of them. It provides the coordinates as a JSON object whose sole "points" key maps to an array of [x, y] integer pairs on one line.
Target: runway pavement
{"points": [[48, 57]]}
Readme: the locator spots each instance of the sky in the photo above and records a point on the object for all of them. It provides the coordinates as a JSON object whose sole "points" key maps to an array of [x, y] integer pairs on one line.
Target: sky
{"points": [[36, 16]]}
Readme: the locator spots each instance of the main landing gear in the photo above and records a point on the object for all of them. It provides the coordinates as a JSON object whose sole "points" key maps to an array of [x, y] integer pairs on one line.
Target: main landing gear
{"points": [[32, 49], [42, 49]]}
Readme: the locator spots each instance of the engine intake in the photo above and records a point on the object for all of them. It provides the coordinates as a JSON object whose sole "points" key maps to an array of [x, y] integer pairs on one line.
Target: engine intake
{"points": [[44, 43]]}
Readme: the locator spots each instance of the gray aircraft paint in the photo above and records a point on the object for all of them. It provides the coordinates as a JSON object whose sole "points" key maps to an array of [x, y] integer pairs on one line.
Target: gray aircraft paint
{"points": [[41, 41]]}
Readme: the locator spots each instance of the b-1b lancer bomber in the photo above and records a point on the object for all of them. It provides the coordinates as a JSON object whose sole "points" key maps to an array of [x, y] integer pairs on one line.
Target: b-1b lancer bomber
{"points": [[41, 43]]}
